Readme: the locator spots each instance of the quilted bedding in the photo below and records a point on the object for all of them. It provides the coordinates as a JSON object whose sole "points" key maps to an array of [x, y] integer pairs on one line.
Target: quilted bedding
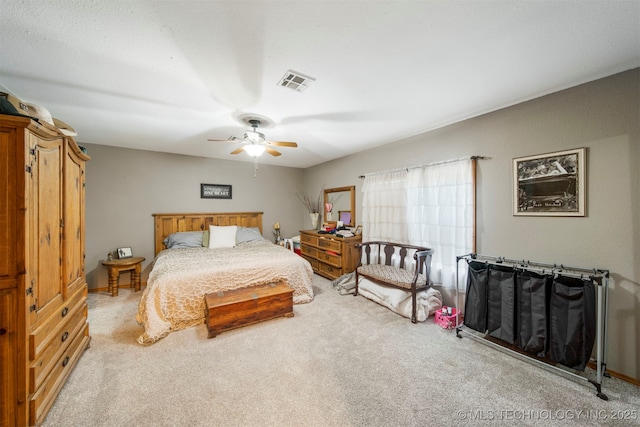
{"points": [[174, 296]]}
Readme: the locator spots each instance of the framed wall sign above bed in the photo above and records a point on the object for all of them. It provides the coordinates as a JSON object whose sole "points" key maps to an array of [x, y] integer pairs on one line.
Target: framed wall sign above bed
{"points": [[215, 191]]}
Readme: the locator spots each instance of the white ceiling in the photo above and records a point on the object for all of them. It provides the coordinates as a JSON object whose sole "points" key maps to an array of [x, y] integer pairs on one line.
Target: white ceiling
{"points": [[167, 75]]}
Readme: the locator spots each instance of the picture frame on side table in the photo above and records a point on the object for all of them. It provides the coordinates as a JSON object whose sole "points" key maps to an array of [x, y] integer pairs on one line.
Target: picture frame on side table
{"points": [[124, 253], [552, 184], [358, 230]]}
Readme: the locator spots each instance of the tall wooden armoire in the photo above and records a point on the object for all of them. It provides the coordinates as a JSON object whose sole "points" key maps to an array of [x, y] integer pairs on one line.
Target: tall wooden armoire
{"points": [[43, 288]]}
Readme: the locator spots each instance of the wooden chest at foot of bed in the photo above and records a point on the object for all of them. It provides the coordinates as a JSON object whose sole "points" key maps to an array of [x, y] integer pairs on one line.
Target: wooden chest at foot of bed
{"points": [[240, 307]]}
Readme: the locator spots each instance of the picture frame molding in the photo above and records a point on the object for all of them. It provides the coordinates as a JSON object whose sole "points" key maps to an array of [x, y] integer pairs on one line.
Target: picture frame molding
{"points": [[553, 183]]}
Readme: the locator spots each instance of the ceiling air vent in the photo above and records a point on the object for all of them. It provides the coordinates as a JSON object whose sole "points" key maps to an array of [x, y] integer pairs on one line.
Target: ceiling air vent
{"points": [[296, 81]]}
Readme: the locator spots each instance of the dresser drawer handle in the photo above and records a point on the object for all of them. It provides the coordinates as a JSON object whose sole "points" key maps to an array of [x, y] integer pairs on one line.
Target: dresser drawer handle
{"points": [[65, 361], [65, 311], [3, 331], [65, 336]]}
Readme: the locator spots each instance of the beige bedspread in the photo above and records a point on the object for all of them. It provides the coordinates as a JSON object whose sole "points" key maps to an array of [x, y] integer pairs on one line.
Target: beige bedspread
{"points": [[174, 296]]}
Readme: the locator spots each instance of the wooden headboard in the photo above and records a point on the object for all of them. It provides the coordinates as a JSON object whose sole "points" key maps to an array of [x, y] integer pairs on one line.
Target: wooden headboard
{"points": [[166, 224]]}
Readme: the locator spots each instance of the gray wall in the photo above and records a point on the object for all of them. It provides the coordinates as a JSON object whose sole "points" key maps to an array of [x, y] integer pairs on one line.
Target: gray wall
{"points": [[603, 116], [124, 187]]}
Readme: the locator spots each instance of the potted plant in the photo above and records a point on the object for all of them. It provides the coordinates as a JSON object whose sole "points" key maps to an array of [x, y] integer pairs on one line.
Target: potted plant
{"points": [[313, 206]]}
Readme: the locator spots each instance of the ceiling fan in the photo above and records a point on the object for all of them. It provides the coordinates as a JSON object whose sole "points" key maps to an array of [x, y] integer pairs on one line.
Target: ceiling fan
{"points": [[254, 142]]}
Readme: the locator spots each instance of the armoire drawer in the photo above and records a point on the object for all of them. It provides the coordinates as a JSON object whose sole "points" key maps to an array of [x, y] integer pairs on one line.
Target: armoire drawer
{"points": [[46, 360], [53, 325], [46, 394], [333, 259], [329, 244]]}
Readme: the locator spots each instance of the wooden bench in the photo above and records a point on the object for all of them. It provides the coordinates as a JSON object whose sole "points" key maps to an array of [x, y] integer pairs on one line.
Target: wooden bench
{"points": [[380, 267]]}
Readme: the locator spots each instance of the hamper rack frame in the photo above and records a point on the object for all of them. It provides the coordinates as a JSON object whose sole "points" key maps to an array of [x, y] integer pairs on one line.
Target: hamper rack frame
{"points": [[599, 276]]}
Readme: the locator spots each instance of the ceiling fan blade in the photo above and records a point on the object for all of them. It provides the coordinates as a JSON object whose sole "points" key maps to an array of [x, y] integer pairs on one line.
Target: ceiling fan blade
{"points": [[281, 143], [238, 85], [271, 151], [238, 150]]}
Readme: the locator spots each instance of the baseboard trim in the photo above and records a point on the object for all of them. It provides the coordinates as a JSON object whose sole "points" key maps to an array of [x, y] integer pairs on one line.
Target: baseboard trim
{"points": [[127, 286], [618, 375]]}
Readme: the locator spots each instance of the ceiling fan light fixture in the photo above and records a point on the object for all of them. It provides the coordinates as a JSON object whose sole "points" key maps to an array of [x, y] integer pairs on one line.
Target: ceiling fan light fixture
{"points": [[254, 143], [254, 150], [254, 136]]}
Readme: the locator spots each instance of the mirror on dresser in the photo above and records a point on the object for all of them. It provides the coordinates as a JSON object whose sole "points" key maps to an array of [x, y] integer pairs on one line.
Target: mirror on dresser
{"points": [[343, 200]]}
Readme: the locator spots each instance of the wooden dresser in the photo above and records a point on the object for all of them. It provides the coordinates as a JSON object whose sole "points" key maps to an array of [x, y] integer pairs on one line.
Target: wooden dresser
{"points": [[330, 256], [43, 288]]}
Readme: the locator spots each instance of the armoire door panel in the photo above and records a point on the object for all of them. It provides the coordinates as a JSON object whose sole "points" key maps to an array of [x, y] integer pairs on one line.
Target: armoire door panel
{"points": [[73, 214], [47, 221], [8, 185]]}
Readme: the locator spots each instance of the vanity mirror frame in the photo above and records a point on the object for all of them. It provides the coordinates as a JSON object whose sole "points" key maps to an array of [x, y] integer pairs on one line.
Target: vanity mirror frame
{"points": [[352, 197]]}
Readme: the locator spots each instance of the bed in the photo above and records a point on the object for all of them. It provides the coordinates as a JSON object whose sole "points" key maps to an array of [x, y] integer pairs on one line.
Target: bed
{"points": [[201, 259]]}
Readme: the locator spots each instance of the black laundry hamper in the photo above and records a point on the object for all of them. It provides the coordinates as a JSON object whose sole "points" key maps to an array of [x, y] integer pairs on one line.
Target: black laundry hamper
{"points": [[501, 301], [532, 313], [475, 305], [572, 314]]}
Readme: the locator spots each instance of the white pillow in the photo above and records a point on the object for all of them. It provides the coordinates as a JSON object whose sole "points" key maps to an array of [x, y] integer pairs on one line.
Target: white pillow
{"points": [[222, 237]]}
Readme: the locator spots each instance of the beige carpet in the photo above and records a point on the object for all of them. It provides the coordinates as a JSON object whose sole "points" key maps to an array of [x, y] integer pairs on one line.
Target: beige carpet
{"points": [[341, 361]]}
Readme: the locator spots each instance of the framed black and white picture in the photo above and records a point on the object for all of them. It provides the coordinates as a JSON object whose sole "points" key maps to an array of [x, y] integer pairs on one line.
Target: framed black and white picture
{"points": [[215, 191], [552, 184], [124, 253]]}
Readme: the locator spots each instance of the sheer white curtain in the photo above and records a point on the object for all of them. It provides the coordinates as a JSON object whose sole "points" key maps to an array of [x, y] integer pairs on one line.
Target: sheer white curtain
{"points": [[440, 214], [384, 207], [430, 206]]}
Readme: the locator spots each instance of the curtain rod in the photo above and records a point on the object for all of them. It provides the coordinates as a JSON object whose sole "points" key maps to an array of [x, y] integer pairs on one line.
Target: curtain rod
{"points": [[425, 165]]}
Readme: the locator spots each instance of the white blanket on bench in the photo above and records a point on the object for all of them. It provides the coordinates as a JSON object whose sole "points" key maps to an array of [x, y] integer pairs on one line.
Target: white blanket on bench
{"points": [[399, 300]]}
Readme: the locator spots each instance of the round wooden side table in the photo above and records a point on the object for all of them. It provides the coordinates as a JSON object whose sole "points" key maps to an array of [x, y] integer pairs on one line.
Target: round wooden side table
{"points": [[117, 266]]}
